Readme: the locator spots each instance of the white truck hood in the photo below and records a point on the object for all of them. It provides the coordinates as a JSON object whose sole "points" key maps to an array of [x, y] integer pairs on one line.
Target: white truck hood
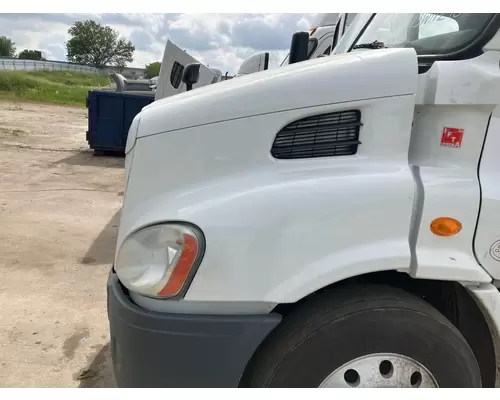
{"points": [[280, 89]]}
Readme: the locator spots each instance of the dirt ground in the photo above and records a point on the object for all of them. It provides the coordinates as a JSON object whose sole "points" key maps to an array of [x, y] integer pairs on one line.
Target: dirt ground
{"points": [[59, 211]]}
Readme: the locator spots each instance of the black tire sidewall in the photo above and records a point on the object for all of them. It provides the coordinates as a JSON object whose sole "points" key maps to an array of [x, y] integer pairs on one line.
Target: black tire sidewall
{"points": [[313, 354]]}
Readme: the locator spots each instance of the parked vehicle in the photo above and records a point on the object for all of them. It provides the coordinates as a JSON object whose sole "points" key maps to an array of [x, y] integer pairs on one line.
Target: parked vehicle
{"points": [[330, 223], [326, 32], [170, 79]]}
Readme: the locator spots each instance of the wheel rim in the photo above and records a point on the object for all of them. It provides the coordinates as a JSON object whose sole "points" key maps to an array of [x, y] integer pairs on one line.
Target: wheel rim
{"points": [[384, 370]]}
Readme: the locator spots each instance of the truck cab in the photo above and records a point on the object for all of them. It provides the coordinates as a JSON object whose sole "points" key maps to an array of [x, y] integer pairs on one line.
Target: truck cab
{"points": [[330, 223], [174, 61]]}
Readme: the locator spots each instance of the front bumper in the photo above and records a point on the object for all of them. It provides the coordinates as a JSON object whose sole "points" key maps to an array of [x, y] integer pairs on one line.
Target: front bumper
{"points": [[151, 349]]}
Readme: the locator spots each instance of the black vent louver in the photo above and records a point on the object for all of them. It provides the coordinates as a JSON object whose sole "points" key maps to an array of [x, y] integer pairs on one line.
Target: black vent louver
{"points": [[325, 135]]}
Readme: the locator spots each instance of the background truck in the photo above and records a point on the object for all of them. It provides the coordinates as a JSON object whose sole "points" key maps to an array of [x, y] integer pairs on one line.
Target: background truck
{"points": [[331, 223], [172, 66], [324, 35]]}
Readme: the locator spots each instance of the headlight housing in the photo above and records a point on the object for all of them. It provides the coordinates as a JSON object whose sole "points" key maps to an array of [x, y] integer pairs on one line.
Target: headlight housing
{"points": [[159, 261]]}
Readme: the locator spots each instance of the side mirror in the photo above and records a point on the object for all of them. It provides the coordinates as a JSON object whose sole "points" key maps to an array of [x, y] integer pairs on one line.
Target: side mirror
{"points": [[299, 47], [190, 75], [257, 62]]}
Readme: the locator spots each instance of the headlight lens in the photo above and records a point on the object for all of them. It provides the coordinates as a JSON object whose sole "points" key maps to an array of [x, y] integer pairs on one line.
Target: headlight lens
{"points": [[157, 261]]}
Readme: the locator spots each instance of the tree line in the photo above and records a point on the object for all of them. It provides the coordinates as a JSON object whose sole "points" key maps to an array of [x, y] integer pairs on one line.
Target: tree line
{"points": [[8, 49], [90, 44]]}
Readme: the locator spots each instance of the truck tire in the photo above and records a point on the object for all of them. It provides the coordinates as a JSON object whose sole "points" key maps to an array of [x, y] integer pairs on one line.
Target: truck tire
{"points": [[364, 336]]}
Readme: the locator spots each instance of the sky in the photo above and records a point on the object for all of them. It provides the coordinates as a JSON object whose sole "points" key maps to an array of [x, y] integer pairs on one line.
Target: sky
{"points": [[221, 41]]}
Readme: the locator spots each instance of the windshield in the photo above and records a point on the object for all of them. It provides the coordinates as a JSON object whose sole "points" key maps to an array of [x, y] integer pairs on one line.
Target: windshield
{"points": [[310, 49], [427, 33]]}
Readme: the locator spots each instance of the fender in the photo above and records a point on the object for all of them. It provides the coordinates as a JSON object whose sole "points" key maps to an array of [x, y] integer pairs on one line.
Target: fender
{"points": [[277, 230]]}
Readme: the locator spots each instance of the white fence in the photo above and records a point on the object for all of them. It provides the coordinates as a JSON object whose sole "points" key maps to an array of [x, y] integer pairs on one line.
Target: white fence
{"points": [[15, 64]]}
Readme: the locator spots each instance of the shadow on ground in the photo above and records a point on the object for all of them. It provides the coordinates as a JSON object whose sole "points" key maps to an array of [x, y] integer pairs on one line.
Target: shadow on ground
{"points": [[102, 250], [87, 158], [99, 372]]}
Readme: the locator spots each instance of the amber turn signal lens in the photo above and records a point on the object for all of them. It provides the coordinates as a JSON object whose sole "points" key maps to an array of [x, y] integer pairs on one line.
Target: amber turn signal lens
{"points": [[182, 268], [445, 226]]}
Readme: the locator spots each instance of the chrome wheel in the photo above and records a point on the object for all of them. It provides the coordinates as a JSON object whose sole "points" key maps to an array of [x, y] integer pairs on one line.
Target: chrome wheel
{"points": [[384, 370]]}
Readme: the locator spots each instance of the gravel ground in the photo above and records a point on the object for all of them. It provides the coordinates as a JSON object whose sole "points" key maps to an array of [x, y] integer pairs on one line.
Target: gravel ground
{"points": [[59, 211]]}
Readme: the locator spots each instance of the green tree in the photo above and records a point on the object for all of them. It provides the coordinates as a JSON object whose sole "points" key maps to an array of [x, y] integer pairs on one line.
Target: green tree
{"points": [[30, 55], [7, 47], [153, 69], [99, 46]]}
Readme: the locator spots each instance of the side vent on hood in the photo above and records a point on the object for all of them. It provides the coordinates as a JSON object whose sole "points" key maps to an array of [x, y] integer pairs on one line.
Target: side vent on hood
{"points": [[325, 135]]}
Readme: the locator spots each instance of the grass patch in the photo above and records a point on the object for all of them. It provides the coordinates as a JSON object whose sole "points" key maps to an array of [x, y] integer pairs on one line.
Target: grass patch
{"points": [[57, 87]]}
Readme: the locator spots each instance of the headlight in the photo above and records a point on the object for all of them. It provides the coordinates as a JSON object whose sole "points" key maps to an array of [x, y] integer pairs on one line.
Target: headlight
{"points": [[158, 261]]}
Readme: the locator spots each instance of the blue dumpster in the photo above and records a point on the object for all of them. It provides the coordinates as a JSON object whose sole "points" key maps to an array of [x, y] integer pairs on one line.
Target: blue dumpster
{"points": [[110, 115]]}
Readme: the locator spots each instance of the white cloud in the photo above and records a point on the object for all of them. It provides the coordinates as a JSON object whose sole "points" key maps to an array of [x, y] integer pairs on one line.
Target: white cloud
{"points": [[221, 40]]}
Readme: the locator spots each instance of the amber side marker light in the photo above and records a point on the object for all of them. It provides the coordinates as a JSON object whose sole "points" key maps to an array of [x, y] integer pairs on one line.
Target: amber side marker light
{"points": [[183, 267], [445, 226]]}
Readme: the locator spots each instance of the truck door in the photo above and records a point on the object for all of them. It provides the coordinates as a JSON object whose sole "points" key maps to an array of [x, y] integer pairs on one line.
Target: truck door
{"points": [[172, 67], [487, 239]]}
